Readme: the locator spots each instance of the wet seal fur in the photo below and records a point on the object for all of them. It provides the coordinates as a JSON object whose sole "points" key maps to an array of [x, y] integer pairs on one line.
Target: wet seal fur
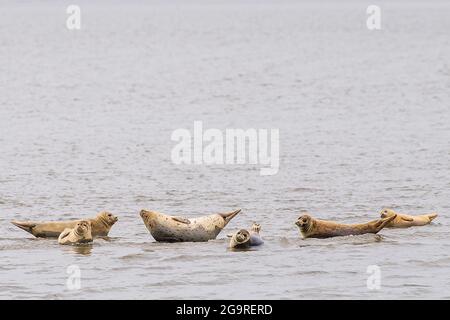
{"points": [[167, 228], [101, 225], [82, 233], [405, 221], [315, 228], [244, 239]]}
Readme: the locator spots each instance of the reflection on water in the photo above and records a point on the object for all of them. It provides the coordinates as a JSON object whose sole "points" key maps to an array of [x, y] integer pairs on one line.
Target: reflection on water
{"points": [[243, 249], [86, 119], [83, 249]]}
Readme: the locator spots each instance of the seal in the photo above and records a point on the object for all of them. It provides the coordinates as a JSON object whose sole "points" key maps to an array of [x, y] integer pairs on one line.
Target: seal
{"points": [[101, 225], [244, 239], [405, 221], [82, 233], [315, 228], [167, 228]]}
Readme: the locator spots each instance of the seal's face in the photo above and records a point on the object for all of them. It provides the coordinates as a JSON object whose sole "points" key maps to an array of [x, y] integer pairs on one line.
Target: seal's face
{"points": [[148, 217], [109, 218], [242, 236], [387, 213], [83, 227], [304, 222], [240, 240]]}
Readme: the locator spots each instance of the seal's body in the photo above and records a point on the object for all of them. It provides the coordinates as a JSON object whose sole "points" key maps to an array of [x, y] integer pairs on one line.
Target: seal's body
{"points": [[245, 239], [82, 233], [315, 228], [405, 221], [167, 228], [100, 225]]}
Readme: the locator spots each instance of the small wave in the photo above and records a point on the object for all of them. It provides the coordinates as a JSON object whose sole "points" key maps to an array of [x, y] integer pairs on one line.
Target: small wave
{"points": [[133, 256], [334, 241], [304, 189], [310, 272], [168, 283], [189, 257], [416, 285]]}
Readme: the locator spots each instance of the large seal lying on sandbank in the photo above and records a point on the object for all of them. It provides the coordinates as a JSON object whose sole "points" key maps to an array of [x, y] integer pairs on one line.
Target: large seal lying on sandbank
{"points": [[315, 228], [244, 239], [405, 220], [82, 233], [176, 229], [101, 225]]}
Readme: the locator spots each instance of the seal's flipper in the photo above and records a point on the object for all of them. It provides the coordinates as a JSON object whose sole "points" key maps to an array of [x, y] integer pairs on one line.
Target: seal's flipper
{"points": [[181, 220], [383, 222], [24, 225], [408, 219], [65, 233], [432, 216], [229, 215], [256, 227]]}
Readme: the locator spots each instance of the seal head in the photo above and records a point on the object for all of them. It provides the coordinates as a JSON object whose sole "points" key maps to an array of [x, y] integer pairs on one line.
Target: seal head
{"points": [[304, 223], [82, 228], [387, 213], [240, 239], [107, 218], [149, 217]]}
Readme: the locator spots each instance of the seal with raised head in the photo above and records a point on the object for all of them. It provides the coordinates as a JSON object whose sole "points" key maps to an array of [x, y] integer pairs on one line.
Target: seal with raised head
{"points": [[101, 225], [315, 228], [244, 239], [405, 220], [82, 233], [167, 228]]}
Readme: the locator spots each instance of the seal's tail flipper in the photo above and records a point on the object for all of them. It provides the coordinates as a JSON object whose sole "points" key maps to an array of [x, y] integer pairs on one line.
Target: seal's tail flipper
{"points": [[229, 215], [27, 226], [383, 222], [432, 216], [256, 227]]}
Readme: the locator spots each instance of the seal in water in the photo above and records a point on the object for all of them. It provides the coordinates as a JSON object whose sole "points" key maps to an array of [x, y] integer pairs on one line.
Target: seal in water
{"points": [[245, 239], [405, 221], [101, 225], [176, 229], [315, 228], [82, 233]]}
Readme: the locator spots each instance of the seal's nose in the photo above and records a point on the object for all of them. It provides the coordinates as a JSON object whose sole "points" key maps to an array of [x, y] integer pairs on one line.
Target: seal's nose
{"points": [[142, 214]]}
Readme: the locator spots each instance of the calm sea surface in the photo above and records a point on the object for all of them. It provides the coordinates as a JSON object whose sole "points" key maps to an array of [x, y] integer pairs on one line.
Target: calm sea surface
{"points": [[85, 124]]}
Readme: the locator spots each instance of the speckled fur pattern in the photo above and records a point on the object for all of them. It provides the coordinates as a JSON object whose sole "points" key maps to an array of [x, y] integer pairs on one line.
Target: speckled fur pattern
{"points": [[173, 229]]}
